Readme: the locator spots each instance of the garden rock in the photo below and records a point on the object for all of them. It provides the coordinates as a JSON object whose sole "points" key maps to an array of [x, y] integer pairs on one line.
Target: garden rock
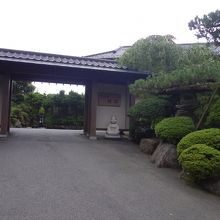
{"points": [[165, 156], [148, 145], [212, 186]]}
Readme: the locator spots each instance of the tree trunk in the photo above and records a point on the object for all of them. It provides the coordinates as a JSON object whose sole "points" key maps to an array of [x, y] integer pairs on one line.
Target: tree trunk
{"points": [[206, 109]]}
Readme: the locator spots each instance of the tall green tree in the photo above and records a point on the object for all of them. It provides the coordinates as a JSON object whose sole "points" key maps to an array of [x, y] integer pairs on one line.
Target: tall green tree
{"points": [[199, 69], [178, 67], [196, 69], [155, 54], [21, 88], [207, 27]]}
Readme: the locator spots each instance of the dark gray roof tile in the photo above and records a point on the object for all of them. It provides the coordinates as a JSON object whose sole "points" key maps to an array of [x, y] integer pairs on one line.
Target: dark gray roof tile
{"points": [[114, 54], [110, 55], [60, 60]]}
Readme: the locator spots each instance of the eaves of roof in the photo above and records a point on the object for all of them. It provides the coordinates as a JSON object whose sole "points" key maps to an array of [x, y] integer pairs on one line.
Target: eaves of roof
{"points": [[62, 60]]}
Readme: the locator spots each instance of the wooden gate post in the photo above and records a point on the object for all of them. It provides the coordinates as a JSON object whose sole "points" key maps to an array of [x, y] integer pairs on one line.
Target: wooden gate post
{"points": [[86, 111], [92, 94], [5, 99]]}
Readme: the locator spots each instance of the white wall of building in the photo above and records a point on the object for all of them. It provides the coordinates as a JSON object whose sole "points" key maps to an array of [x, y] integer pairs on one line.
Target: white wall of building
{"points": [[104, 113]]}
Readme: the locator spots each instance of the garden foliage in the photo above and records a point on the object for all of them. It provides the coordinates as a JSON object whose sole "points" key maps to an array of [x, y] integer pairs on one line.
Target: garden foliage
{"points": [[150, 109], [200, 162], [145, 114], [170, 65], [207, 27], [198, 67], [213, 118], [210, 137], [154, 54], [172, 129], [58, 110]]}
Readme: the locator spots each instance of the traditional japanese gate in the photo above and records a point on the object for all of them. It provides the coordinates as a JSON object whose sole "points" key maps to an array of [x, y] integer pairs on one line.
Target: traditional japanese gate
{"points": [[106, 84]]}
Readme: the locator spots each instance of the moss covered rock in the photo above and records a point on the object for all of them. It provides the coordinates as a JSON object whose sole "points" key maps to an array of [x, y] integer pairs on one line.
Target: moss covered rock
{"points": [[210, 137], [174, 128], [200, 162]]}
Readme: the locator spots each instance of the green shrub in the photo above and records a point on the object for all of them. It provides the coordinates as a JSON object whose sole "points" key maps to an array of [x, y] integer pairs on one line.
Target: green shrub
{"points": [[200, 162], [150, 109], [210, 137], [213, 119], [75, 122], [19, 116], [174, 128], [139, 130], [145, 114]]}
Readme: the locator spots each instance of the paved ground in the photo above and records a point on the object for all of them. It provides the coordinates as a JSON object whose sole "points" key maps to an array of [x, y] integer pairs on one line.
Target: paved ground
{"points": [[54, 174]]}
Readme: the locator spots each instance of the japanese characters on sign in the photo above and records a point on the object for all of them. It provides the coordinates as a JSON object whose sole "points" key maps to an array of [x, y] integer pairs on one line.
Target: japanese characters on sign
{"points": [[109, 99]]}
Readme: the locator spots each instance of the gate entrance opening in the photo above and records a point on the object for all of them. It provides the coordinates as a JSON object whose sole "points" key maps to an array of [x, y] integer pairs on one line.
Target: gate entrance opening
{"points": [[53, 106], [106, 84]]}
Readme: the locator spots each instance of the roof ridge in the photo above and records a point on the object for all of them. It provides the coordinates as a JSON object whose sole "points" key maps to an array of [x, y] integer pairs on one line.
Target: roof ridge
{"points": [[110, 51]]}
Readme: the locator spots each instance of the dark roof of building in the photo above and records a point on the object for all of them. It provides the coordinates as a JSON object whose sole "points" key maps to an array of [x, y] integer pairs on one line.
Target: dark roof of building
{"points": [[214, 49], [61, 60], [110, 55], [114, 54]]}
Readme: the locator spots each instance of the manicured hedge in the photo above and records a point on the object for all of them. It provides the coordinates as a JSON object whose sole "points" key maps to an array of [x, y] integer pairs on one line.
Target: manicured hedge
{"points": [[200, 162], [150, 109], [174, 128], [210, 137]]}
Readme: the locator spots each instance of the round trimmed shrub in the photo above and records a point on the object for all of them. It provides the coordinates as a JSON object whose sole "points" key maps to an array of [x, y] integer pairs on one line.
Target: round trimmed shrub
{"points": [[174, 128], [150, 109], [200, 162], [210, 137]]}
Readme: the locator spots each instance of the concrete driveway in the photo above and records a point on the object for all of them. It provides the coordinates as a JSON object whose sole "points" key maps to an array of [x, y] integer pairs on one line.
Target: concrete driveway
{"points": [[56, 174]]}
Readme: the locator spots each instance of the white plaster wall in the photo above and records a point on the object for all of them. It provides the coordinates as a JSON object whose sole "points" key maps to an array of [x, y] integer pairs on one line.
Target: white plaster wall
{"points": [[104, 113]]}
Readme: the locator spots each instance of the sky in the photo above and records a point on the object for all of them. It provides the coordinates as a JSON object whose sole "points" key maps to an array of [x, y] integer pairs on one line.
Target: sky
{"points": [[83, 27]]}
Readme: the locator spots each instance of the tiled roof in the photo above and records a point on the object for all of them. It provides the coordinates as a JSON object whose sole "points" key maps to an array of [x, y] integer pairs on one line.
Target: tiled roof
{"points": [[111, 55], [114, 54], [59, 60], [214, 49]]}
